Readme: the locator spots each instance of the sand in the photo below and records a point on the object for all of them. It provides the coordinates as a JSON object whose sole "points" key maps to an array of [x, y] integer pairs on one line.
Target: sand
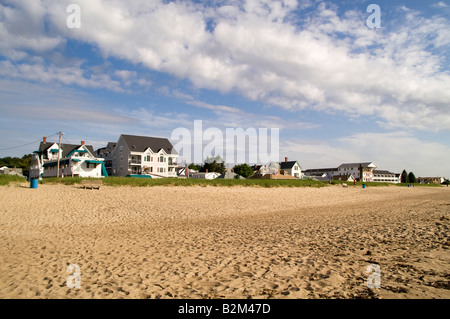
{"points": [[219, 242]]}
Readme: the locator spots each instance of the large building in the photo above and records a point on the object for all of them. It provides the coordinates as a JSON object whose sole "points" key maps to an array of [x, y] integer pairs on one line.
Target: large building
{"points": [[361, 171], [74, 160], [386, 176], [142, 155]]}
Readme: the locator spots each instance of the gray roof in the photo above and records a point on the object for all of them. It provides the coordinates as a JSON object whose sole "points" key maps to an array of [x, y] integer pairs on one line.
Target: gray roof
{"points": [[287, 165], [141, 143], [316, 170], [66, 148], [381, 172], [363, 164]]}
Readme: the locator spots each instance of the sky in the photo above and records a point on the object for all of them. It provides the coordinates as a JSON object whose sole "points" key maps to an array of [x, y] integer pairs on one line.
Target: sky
{"points": [[338, 89]]}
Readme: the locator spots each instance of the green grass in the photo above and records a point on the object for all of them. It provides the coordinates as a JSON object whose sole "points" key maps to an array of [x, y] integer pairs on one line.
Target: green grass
{"points": [[144, 182], [65, 180], [419, 185], [5, 180], [267, 183], [126, 181]]}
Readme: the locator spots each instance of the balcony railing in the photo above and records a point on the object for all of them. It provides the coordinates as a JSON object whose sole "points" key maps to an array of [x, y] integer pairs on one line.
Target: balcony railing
{"points": [[135, 160]]}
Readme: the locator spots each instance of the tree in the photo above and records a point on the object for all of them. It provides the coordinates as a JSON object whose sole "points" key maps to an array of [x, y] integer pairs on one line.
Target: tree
{"points": [[214, 164], [194, 167], [411, 178], [23, 163], [404, 176], [244, 170]]}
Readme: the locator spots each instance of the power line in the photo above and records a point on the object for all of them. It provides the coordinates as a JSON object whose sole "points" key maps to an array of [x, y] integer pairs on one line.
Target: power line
{"points": [[11, 148], [66, 139]]}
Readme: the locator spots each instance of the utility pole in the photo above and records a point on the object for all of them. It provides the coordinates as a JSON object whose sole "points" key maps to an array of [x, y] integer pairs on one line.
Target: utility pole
{"points": [[59, 153]]}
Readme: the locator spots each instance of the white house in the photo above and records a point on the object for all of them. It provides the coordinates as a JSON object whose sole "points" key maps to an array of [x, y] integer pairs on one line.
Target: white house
{"points": [[361, 171], [430, 180], [142, 155], [292, 168], [74, 160]]}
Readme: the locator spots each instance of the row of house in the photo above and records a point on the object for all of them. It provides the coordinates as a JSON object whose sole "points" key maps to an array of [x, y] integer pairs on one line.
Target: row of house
{"points": [[133, 156], [155, 157], [365, 172]]}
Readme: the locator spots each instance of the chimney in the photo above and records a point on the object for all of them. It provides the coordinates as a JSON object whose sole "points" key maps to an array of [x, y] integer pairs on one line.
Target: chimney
{"points": [[44, 139], [206, 170], [82, 142], [286, 159]]}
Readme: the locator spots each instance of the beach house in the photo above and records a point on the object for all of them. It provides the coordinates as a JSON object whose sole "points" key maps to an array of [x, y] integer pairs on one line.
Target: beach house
{"points": [[430, 180], [292, 168], [143, 156], [322, 174], [11, 171], [106, 153], [76, 160], [361, 171]]}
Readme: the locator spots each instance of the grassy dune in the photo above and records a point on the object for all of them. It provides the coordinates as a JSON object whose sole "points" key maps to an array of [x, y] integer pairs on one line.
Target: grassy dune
{"points": [[145, 182], [5, 180]]}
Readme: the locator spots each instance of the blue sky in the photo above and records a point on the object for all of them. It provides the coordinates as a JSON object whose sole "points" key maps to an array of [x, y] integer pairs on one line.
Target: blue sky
{"points": [[337, 90]]}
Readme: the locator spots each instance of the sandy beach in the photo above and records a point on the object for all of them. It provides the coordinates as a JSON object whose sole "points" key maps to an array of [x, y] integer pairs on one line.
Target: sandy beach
{"points": [[219, 242]]}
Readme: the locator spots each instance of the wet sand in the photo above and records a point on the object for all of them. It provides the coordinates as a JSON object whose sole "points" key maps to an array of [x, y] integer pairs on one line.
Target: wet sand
{"points": [[219, 242]]}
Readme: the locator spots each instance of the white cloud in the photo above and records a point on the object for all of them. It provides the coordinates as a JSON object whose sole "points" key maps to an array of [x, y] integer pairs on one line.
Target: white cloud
{"points": [[230, 116], [332, 63], [440, 5], [72, 75]]}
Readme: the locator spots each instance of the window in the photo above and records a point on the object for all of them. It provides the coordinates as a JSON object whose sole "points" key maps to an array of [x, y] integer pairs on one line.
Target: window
{"points": [[121, 148]]}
